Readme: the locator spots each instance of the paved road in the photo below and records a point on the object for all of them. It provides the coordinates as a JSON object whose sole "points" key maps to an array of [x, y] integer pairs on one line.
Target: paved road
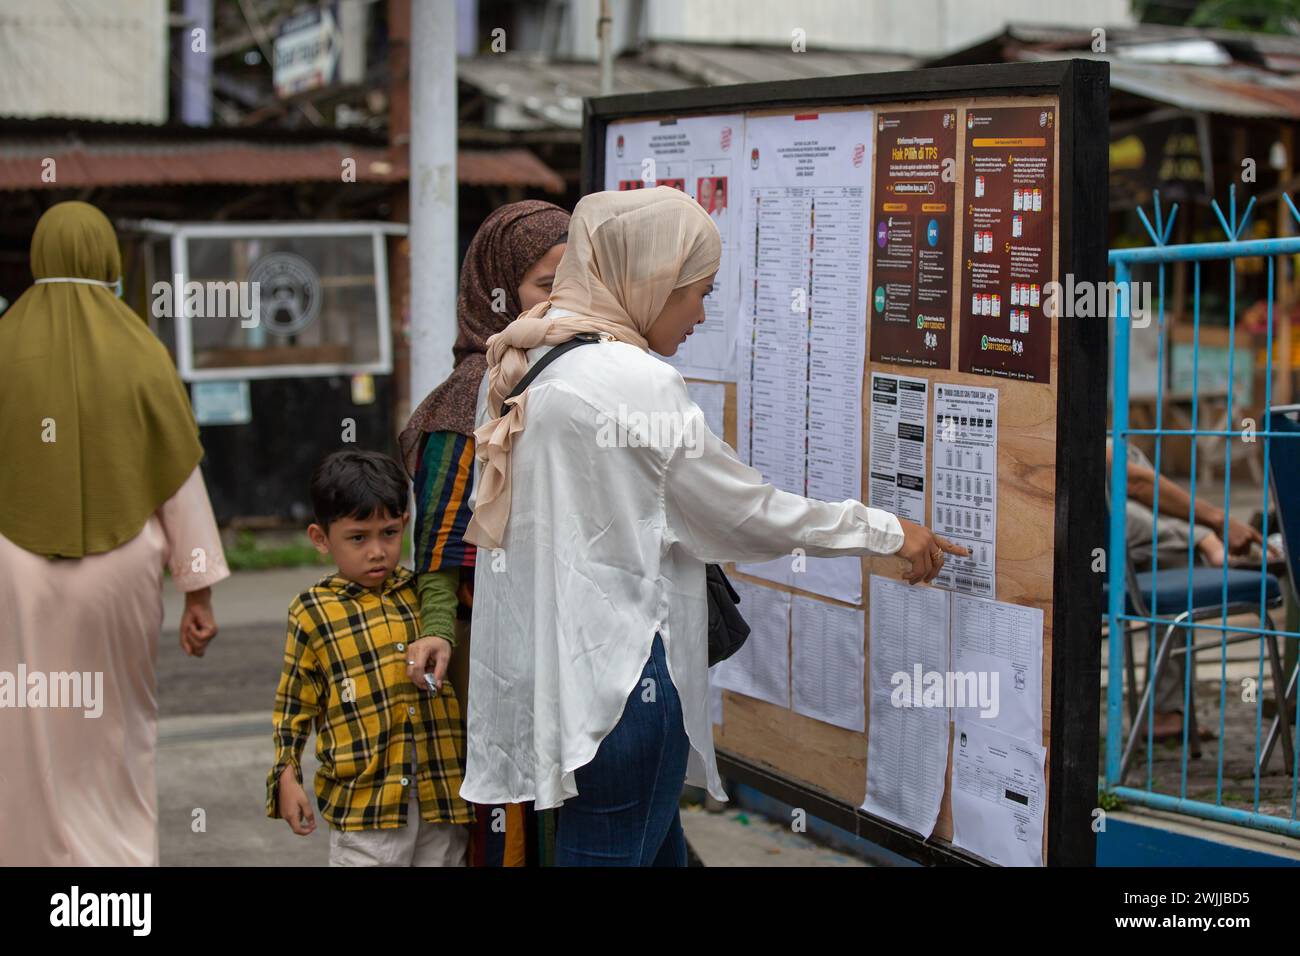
{"points": [[238, 674], [215, 749]]}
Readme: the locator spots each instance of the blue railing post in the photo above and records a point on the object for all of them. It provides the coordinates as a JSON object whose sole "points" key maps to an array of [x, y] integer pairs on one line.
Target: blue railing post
{"points": [[1213, 618], [1116, 555]]}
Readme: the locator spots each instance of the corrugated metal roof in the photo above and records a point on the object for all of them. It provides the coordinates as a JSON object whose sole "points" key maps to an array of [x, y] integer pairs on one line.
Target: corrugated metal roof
{"points": [[716, 65], [1266, 45], [539, 93], [1233, 90], [141, 162], [506, 167], [534, 93], [1254, 74], [101, 59]]}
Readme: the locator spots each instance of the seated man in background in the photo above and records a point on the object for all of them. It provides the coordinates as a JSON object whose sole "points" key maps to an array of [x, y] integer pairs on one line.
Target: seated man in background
{"points": [[1183, 519]]}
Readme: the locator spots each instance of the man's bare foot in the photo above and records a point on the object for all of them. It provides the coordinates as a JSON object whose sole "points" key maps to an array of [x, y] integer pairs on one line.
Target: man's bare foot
{"points": [[1167, 723]]}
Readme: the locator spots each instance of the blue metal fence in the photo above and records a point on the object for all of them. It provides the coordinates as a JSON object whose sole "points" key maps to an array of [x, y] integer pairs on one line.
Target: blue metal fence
{"points": [[1172, 606]]}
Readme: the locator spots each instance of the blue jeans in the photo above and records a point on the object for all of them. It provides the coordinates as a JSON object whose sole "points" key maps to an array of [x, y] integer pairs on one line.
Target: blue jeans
{"points": [[625, 813]]}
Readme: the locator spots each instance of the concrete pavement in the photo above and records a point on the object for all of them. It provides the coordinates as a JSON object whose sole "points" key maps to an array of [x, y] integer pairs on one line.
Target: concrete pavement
{"points": [[214, 749]]}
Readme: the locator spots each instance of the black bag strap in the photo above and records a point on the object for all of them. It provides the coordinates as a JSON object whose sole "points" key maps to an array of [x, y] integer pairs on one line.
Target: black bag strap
{"points": [[582, 338]]}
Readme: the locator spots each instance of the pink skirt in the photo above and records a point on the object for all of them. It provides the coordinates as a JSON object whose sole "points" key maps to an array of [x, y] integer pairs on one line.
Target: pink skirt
{"points": [[77, 768]]}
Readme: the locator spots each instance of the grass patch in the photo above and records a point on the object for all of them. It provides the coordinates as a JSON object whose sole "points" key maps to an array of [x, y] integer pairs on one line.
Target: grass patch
{"points": [[247, 553]]}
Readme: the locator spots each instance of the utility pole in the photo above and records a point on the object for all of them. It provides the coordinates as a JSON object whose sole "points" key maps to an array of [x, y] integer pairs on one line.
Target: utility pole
{"points": [[399, 247], [605, 39], [434, 250]]}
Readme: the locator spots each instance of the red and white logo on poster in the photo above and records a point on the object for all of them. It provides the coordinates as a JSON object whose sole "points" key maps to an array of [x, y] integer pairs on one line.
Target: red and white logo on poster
{"points": [[859, 153], [725, 138]]}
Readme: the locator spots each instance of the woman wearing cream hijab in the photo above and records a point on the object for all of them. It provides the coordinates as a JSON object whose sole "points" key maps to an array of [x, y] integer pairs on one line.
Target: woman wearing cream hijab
{"points": [[600, 497], [99, 490]]}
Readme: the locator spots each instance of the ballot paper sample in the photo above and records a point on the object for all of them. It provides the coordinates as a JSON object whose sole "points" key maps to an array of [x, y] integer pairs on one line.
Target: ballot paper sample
{"points": [[998, 792], [803, 248], [700, 156], [712, 399], [899, 413], [997, 649], [779, 569], [827, 661], [907, 739], [761, 668], [964, 484]]}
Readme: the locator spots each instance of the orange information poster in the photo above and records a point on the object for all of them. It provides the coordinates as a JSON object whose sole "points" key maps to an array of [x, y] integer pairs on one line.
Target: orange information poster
{"points": [[911, 255], [1007, 242]]}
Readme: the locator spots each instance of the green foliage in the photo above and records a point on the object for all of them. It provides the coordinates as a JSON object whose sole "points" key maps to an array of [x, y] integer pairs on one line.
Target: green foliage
{"points": [[247, 554], [1256, 16], [1108, 801], [1249, 16]]}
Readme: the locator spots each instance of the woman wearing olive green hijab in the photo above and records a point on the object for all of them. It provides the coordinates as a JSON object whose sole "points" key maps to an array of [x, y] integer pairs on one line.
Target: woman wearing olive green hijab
{"points": [[99, 488]]}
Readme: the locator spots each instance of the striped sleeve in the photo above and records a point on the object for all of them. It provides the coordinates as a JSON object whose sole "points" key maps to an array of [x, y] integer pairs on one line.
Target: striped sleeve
{"points": [[443, 479]]}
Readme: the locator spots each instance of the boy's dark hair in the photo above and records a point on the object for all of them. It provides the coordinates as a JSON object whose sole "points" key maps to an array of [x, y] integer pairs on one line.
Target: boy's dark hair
{"points": [[356, 484]]}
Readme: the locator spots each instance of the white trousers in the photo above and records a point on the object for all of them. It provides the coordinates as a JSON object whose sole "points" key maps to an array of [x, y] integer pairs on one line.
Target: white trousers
{"points": [[416, 844]]}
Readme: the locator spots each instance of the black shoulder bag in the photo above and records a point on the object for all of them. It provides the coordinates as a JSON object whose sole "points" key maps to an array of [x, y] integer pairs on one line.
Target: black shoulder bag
{"points": [[727, 628]]}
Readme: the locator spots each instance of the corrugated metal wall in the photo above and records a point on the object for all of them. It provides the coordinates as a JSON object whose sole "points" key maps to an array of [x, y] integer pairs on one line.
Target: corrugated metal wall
{"points": [[88, 59]]}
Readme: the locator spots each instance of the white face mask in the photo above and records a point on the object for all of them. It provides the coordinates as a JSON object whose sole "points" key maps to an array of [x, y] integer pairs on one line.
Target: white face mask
{"points": [[115, 286]]}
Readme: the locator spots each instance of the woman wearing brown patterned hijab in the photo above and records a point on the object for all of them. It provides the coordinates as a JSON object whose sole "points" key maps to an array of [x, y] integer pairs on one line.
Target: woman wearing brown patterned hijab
{"points": [[508, 268], [510, 243]]}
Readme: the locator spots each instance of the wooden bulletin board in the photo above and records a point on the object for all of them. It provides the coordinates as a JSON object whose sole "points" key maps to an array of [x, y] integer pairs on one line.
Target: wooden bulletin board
{"points": [[1050, 452]]}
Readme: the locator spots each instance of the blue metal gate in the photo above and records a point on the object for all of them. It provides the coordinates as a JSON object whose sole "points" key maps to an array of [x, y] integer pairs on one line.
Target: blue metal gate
{"points": [[1173, 606]]}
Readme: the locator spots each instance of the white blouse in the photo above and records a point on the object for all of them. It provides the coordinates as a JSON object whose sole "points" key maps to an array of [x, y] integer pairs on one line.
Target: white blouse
{"points": [[609, 531]]}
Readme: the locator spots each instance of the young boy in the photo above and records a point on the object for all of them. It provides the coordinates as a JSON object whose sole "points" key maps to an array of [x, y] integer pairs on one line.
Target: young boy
{"points": [[391, 751]]}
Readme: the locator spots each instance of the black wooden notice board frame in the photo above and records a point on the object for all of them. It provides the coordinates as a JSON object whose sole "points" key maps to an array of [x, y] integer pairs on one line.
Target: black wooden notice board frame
{"points": [[1082, 88]]}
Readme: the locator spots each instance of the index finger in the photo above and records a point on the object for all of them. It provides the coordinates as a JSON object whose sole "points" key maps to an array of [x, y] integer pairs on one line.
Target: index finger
{"points": [[946, 545]]}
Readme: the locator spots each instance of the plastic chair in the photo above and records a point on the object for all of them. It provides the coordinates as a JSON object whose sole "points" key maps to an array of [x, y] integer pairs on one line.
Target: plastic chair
{"points": [[1207, 601], [1284, 473]]}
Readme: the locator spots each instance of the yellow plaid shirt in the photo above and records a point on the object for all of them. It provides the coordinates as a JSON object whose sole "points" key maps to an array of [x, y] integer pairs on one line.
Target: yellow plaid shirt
{"points": [[377, 734]]}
